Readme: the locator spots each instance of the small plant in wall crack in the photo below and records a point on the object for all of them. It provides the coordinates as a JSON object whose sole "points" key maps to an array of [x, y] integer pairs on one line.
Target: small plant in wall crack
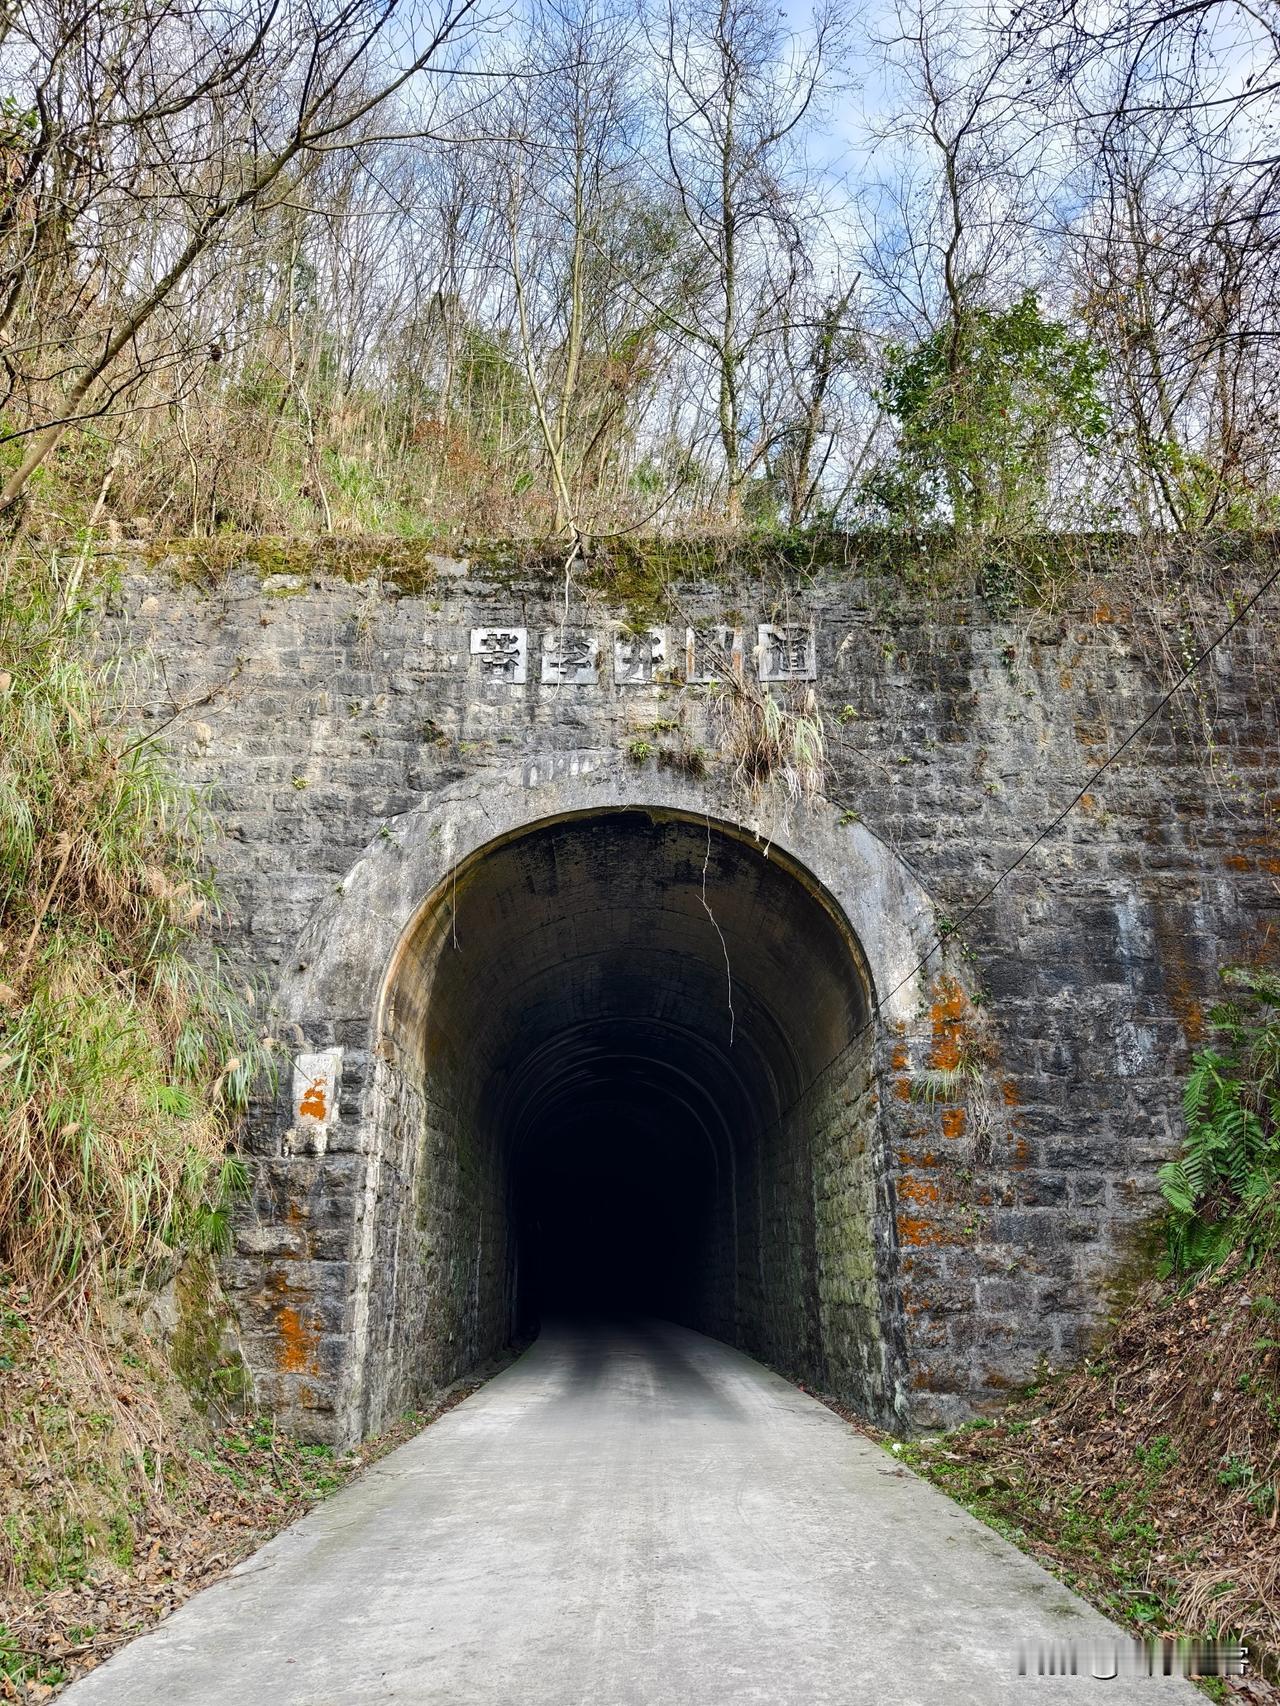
{"points": [[948, 929], [947, 1084], [964, 1085], [958, 1078], [668, 740]]}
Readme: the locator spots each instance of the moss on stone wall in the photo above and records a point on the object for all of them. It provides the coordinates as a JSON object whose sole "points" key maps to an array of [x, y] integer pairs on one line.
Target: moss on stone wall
{"points": [[202, 1350], [403, 566], [645, 575]]}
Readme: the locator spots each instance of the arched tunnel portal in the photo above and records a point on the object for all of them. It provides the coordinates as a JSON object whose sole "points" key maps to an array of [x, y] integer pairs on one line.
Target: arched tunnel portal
{"points": [[625, 1065]]}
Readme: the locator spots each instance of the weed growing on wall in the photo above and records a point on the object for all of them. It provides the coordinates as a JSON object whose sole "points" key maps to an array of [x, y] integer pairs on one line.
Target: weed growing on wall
{"points": [[773, 738], [125, 1056]]}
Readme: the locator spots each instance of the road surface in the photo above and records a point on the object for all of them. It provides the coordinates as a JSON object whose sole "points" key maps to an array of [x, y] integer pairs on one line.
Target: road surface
{"points": [[627, 1516]]}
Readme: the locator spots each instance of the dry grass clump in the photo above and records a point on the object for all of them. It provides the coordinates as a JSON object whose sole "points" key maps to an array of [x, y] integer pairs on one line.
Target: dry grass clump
{"points": [[112, 1140], [773, 737], [123, 1060]]}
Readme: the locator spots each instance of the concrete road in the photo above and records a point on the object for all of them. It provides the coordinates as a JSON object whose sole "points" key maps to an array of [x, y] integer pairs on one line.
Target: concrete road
{"points": [[624, 1517]]}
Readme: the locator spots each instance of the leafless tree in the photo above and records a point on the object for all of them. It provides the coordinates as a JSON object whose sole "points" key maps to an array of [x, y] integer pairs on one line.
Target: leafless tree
{"points": [[737, 100], [1176, 249], [137, 141]]}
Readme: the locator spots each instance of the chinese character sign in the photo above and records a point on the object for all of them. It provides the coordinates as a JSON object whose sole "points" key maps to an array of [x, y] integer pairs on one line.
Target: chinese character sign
{"points": [[786, 651], [502, 653], [713, 653], [569, 655], [638, 657]]}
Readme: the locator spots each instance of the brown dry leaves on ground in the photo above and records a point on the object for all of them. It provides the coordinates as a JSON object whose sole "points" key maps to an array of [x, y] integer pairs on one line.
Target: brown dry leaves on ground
{"points": [[1149, 1478], [118, 1501]]}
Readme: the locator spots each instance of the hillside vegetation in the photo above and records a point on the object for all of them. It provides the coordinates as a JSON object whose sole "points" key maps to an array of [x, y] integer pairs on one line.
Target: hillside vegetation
{"points": [[126, 1056], [446, 269]]}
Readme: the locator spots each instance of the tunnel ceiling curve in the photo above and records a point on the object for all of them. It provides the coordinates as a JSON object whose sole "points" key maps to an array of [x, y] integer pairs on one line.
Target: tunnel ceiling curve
{"points": [[626, 945]]}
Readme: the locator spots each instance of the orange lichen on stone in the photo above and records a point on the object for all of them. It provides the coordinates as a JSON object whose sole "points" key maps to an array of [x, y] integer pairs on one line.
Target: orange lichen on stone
{"points": [[1009, 1093], [911, 1189], [296, 1342], [1021, 1152], [947, 1015], [953, 1122], [1237, 862], [921, 1232], [1180, 981]]}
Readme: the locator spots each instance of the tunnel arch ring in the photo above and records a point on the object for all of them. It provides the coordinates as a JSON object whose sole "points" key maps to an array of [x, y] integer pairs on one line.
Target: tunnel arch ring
{"points": [[347, 955]]}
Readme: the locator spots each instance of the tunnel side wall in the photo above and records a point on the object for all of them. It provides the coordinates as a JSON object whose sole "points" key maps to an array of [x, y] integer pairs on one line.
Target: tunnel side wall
{"points": [[439, 1279], [954, 732], [816, 1255], [859, 1323]]}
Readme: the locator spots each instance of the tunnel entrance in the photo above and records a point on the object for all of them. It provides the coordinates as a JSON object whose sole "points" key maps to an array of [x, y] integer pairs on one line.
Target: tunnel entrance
{"points": [[625, 1066]]}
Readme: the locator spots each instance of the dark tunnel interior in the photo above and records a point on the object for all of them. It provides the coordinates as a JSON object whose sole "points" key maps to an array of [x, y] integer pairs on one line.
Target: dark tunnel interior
{"points": [[613, 1203], [603, 1040]]}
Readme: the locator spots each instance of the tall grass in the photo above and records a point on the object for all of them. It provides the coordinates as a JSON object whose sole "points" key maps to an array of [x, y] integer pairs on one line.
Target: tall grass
{"points": [[125, 1054], [773, 737]]}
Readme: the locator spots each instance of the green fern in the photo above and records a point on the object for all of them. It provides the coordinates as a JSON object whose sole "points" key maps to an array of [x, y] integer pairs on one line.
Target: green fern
{"points": [[1223, 1191]]}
